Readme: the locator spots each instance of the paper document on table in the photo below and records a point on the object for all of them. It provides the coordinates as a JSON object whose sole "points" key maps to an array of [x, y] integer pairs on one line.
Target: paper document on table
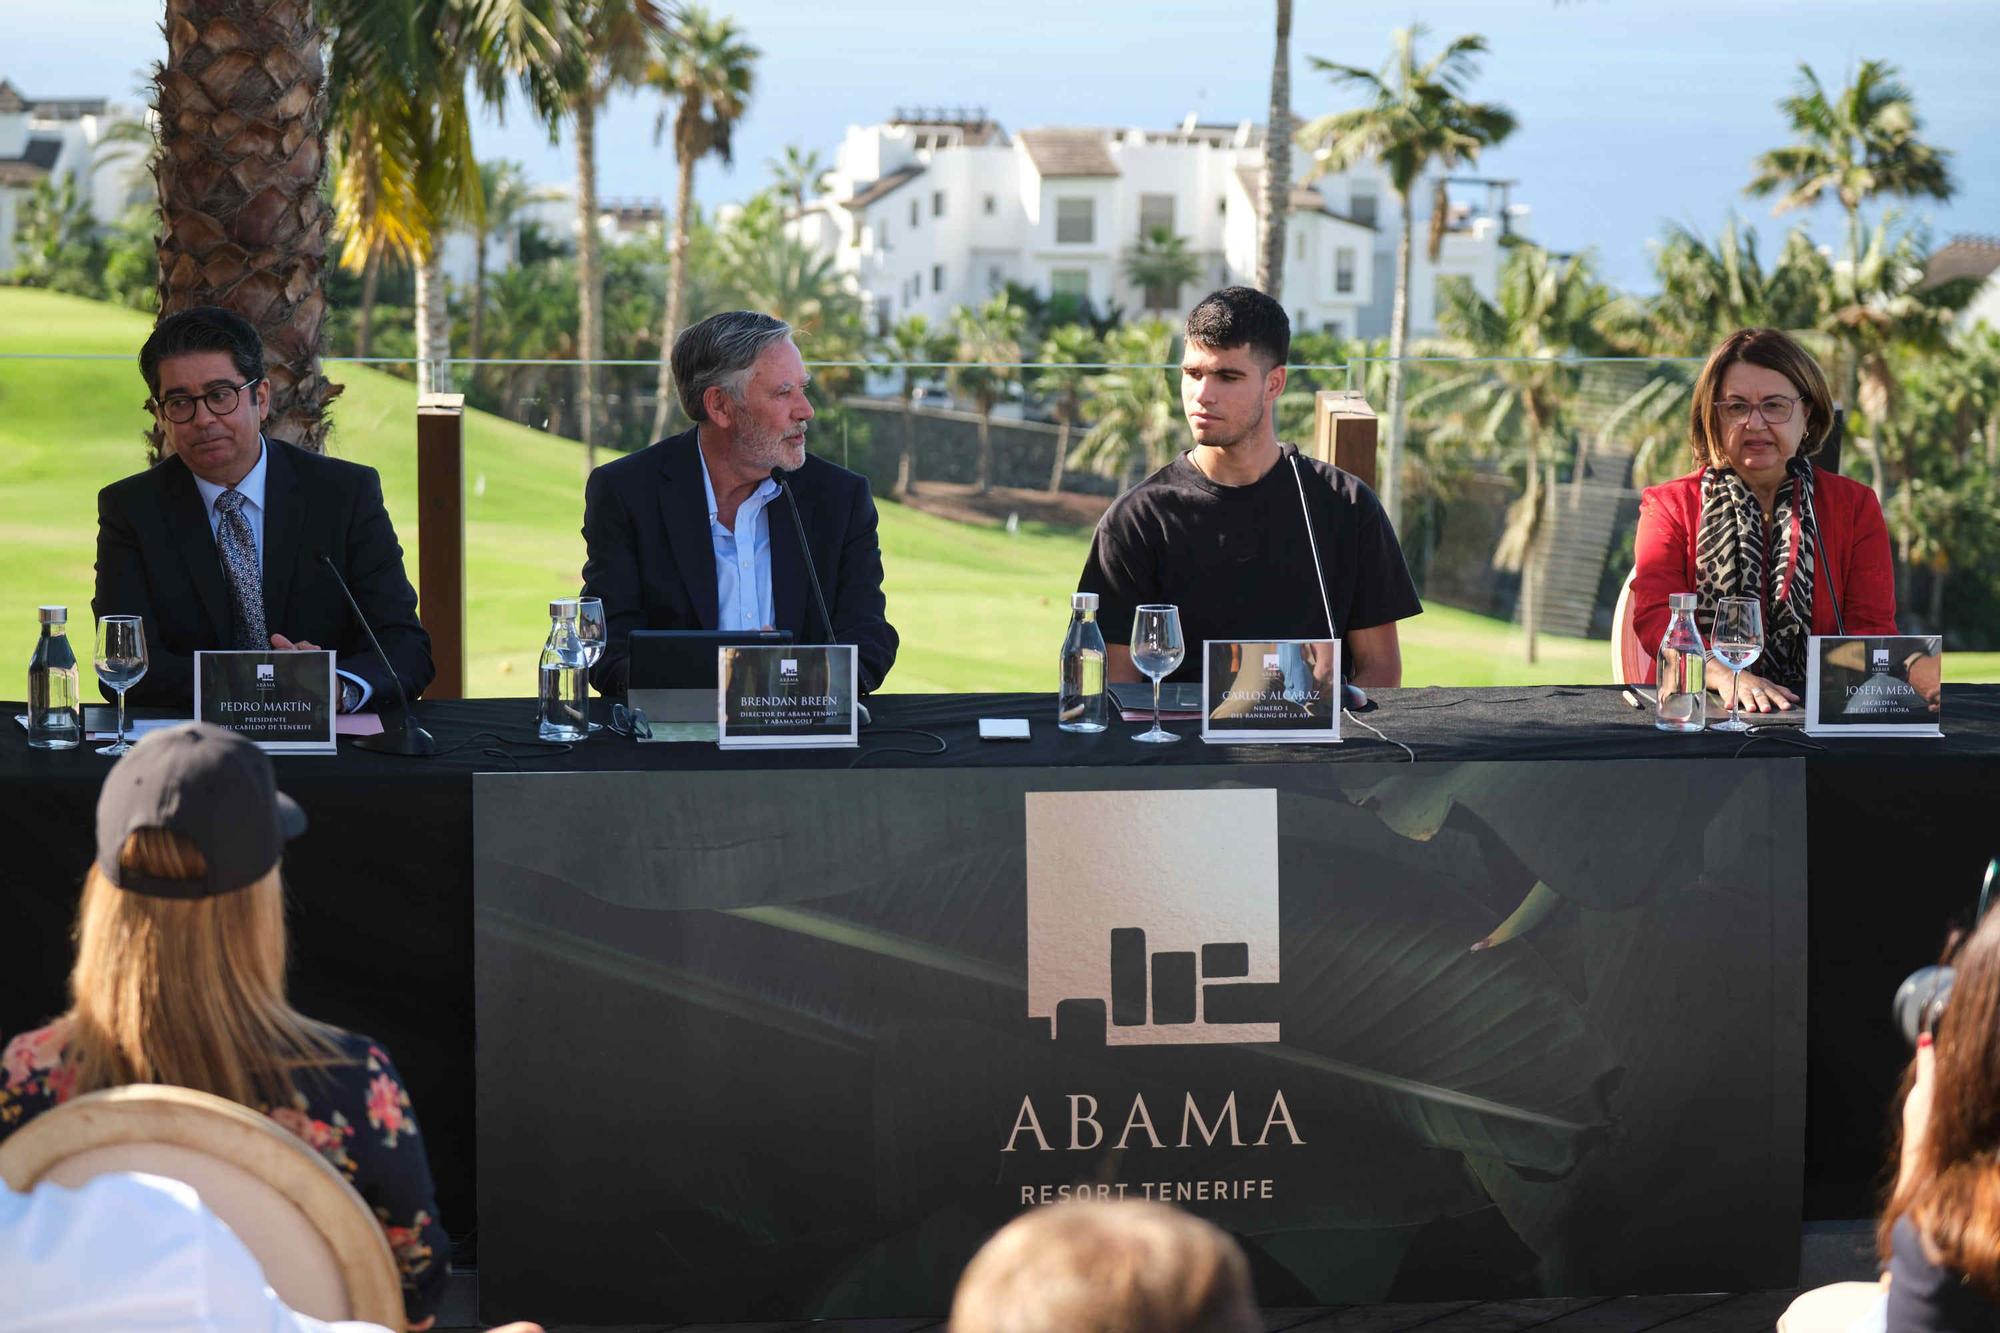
{"points": [[357, 724]]}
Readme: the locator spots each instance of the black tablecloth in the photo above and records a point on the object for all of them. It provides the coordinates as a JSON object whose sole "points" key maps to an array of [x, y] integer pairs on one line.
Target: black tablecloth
{"points": [[381, 883]]}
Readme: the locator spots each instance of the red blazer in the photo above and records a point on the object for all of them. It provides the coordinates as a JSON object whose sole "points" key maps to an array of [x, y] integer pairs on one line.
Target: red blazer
{"points": [[1850, 528]]}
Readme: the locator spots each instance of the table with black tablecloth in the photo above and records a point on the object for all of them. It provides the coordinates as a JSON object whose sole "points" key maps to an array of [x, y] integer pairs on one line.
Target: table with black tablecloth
{"points": [[381, 883]]}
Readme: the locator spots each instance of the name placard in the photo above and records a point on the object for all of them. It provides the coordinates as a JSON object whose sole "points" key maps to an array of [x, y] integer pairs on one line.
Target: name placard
{"points": [[790, 696], [1270, 691], [1874, 685], [283, 701]]}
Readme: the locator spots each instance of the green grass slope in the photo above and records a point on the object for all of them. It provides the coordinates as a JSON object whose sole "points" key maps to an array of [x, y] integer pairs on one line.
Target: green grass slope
{"points": [[978, 608]]}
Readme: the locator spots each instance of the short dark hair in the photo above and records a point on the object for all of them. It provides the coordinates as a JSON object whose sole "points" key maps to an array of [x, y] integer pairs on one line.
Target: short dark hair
{"points": [[718, 352], [202, 328], [1238, 317]]}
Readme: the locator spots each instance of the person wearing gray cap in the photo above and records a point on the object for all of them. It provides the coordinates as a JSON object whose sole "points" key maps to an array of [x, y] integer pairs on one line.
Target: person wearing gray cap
{"points": [[180, 979]]}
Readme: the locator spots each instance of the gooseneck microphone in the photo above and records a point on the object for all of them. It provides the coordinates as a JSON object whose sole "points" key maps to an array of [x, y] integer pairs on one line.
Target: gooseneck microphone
{"points": [[1351, 695], [406, 737], [812, 575], [1825, 570]]}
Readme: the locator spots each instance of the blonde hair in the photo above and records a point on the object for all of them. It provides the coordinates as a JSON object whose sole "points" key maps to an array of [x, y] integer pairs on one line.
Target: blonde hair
{"points": [[189, 992], [1773, 350], [1106, 1267]]}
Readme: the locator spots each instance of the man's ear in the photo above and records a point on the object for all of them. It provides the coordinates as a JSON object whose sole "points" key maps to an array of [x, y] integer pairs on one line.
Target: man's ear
{"points": [[719, 406], [1274, 383], [262, 390]]}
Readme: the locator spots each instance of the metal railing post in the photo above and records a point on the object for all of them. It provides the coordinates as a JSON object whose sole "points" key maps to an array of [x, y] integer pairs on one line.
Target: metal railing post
{"points": [[441, 537]]}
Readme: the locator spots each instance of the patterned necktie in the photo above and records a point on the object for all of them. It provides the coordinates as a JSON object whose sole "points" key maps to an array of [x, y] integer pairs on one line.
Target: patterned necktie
{"points": [[238, 550]]}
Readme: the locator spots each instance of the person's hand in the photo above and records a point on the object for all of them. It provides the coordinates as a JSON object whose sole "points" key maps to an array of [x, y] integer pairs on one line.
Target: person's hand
{"points": [[1917, 1106], [1925, 674], [523, 1327], [285, 645], [1759, 695]]}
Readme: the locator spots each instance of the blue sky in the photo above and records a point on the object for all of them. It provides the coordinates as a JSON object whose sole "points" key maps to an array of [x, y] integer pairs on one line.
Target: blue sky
{"points": [[1632, 112]]}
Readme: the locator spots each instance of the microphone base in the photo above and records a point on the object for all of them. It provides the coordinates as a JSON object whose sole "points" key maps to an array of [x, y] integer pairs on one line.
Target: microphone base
{"points": [[408, 739]]}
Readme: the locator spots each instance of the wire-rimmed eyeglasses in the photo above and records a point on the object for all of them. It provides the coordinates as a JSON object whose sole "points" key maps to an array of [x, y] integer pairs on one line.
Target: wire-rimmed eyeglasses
{"points": [[179, 408], [1775, 410]]}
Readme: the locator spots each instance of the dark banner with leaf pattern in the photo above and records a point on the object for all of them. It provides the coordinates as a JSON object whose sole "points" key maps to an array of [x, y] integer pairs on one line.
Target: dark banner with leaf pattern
{"points": [[786, 1045]]}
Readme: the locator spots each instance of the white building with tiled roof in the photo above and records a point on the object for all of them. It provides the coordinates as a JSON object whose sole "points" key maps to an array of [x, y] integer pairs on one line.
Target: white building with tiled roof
{"points": [[1976, 257], [52, 139], [928, 211]]}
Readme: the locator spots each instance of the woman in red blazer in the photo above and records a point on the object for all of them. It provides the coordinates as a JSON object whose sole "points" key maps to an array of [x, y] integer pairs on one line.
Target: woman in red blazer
{"points": [[1757, 519]]}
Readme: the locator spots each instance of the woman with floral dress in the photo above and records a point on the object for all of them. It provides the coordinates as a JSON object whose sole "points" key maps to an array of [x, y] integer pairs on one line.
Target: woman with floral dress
{"points": [[180, 979]]}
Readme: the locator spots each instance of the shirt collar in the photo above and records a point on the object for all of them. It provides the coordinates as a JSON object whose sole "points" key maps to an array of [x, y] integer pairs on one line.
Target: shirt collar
{"points": [[251, 488]]}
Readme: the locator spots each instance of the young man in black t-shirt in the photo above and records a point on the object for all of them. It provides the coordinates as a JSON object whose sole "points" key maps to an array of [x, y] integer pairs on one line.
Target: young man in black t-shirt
{"points": [[1221, 531]]}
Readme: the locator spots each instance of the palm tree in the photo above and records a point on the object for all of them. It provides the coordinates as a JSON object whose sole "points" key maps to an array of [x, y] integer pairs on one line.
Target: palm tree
{"points": [[1855, 146], [1416, 118], [1277, 164], [705, 75], [508, 195], [242, 221], [1709, 291], [1064, 354], [989, 348], [619, 38], [1520, 406], [799, 175], [911, 342], [1159, 266], [1135, 411]]}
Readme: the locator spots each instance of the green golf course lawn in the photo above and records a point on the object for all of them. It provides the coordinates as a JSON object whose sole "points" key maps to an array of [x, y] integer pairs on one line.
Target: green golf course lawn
{"points": [[978, 608]]}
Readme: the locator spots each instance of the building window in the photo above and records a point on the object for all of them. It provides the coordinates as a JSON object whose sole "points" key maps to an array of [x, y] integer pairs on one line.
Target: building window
{"points": [[1155, 211], [991, 204], [1070, 282], [937, 203], [1343, 269], [1076, 221], [937, 277], [996, 278], [1299, 250], [1332, 329], [882, 236], [882, 318], [860, 230], [915, 212], [1361, 207]]}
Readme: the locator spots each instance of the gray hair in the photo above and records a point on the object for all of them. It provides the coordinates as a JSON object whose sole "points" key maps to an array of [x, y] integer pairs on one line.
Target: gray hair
{"points": [[719, 352]]}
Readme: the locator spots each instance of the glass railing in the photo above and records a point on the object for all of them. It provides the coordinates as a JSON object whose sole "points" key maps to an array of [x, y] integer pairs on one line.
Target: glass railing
{"points": [[989, 484]]}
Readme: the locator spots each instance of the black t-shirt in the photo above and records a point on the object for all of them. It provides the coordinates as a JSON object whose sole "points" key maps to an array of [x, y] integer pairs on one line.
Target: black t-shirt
{"points": [[1924, 1298], [1237, 561]]}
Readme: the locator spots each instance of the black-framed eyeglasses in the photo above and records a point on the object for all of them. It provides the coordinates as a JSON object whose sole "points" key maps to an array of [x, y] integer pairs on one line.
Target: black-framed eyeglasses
{"points": [[179, 408], [1775, 410]]}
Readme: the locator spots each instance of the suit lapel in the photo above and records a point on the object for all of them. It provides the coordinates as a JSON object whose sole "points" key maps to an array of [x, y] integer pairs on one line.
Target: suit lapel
{"points": [[284, 512], [791, 603], [684, 514], [187, 519]]}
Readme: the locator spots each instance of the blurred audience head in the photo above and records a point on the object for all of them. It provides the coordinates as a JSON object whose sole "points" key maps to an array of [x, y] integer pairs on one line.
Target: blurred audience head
{"points": [[1951, 1187], [1106, 1267]]}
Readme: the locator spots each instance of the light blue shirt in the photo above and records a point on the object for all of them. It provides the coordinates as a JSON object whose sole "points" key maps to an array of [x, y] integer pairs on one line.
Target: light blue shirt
{"points": [[251, 488], [742, 558]]}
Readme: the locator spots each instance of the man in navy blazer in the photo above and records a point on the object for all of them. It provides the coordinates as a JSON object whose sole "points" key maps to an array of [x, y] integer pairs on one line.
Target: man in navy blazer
{"points": [[219, 544], [692, 532]]}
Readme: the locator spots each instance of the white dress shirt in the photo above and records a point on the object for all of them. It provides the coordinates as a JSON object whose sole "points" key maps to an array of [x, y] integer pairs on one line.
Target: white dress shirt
{"points": [[138, 1254], [251, 488], [742, 558]]}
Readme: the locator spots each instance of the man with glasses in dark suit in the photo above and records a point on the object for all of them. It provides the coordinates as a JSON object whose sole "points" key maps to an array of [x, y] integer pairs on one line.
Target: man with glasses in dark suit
{"points": [[218, 545]]}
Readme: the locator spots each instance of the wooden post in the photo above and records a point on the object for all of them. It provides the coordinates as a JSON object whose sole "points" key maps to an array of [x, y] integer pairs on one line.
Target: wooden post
{"points": [[1344, 432], [441, 537]]}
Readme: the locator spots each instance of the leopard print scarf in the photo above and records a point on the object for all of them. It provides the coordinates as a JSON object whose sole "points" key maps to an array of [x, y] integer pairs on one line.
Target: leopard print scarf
{"points": [[1730, 561]]}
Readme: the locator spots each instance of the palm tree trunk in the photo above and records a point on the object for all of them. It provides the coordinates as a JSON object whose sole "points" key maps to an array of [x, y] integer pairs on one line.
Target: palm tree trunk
{"points": [[676, 293], [1399, 342], [433, 326], [1277, 163], [241, 97], [479, 239], [985, 477], [589, 278], [1062, 454], [906, 466], [364, 322]]}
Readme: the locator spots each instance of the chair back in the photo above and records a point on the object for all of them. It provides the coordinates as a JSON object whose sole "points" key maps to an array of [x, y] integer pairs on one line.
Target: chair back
{"points": [[1629, 657], [319, 1245]]}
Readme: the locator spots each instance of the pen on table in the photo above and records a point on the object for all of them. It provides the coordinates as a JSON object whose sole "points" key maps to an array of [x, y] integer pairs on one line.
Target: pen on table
{"points": [[1637, 699]]}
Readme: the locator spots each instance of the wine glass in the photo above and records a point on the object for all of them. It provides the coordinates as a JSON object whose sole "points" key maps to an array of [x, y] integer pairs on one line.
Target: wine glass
{"points": [[1738, 641], [1157, 649], [593, 633], [121, 662]]}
